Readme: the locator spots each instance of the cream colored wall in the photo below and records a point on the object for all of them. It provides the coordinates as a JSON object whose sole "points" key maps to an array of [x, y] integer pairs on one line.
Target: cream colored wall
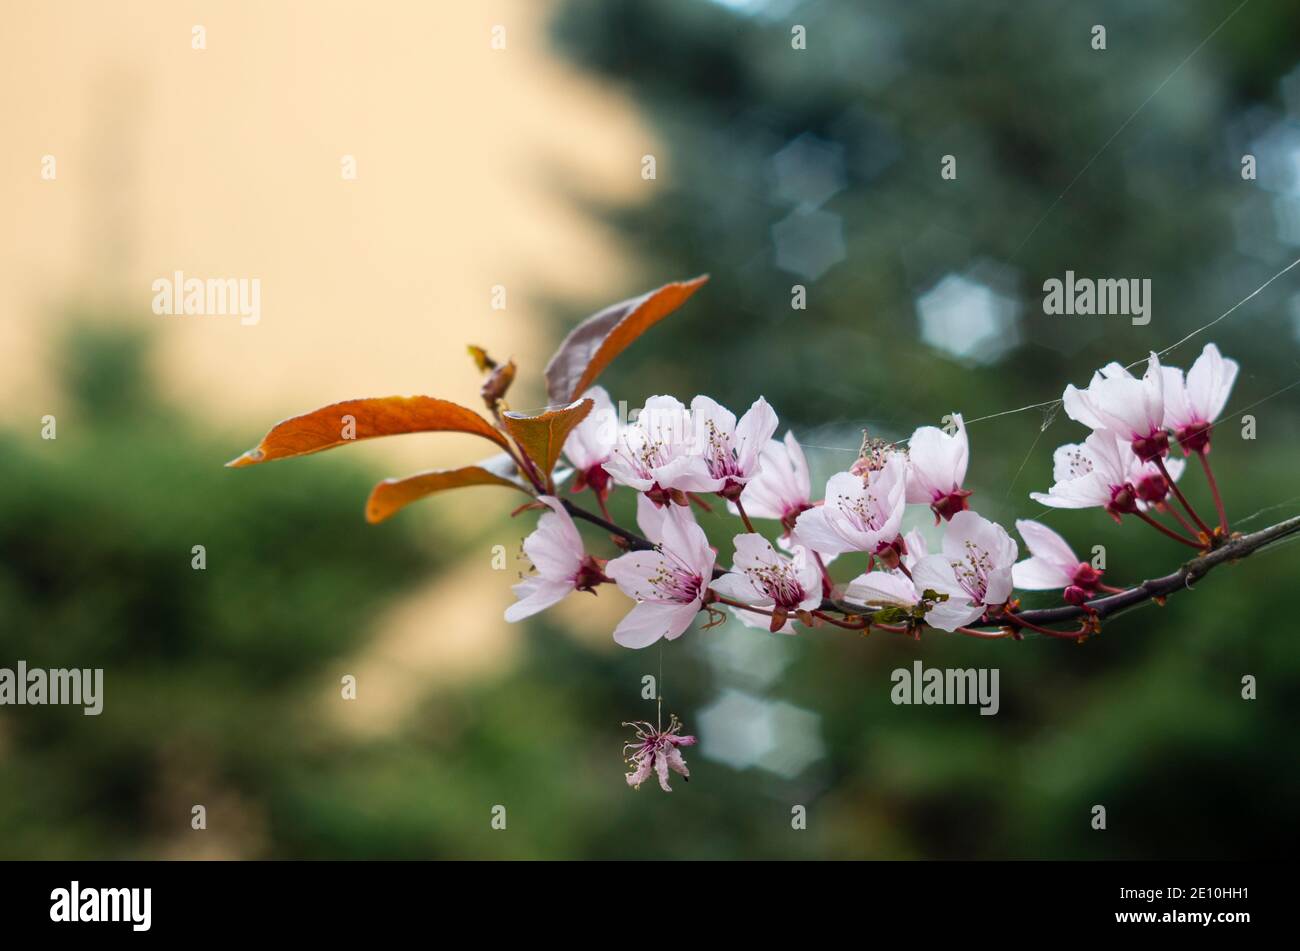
{"points": [[226, 162]]}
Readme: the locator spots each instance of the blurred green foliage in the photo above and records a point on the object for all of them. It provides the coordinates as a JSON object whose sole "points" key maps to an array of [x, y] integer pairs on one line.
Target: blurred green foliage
{"points": [[211, 677], [1146, 719]]}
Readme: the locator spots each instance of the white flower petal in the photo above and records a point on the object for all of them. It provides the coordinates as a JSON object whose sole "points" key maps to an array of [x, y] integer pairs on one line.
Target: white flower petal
{"points": [[752, 434], [936, 462], [1209, 382], [535, 594], [881, 588], [592, 440], [1046, 544], [555, 547], [813, 531], [649, 620], [1039, 574], [738, 587]]}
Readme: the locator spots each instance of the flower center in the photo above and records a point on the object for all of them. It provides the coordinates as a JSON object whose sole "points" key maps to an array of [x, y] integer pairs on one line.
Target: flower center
{"points": [[779, 582], [674, 580], [1077, 462], [862, 512], [973, 572], [719, 456]]}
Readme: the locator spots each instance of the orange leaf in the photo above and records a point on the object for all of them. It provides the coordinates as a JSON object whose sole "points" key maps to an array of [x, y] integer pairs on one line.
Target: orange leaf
{"points": [[393, 494], [593, 344], [354, 420], [542, 436]]}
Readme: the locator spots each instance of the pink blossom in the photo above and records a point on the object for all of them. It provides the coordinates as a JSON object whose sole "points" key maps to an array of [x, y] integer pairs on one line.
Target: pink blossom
{"points": [[592, 442], [972, 575], [650, 518], [1117, 401], [936, 468], [555, 549], [652, 748], [655, 453], [668, 582], [782, 488], [981, 555], [763, 577], [731, 450], [914, 549], [859, 514], [1193, 404], [947, 608], [1105, 471], [1052, 565]]}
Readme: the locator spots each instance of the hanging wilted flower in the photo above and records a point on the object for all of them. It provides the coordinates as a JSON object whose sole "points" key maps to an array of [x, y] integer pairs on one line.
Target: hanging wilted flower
{"points": [[658, 750]]}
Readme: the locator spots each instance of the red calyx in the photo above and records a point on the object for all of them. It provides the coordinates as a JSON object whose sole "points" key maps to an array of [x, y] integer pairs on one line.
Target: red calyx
{"points": [[1123, 501], [789, 519], [661, 496], [946, 506], [890, 553], [596, 479], [1153, 488], [1154, 446], [591, 573], [1076, 595], [1086, 577], [731, 491], [1194, 438]]}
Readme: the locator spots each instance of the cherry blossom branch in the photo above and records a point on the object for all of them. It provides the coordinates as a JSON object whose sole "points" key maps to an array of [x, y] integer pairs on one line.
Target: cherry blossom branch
{"points": [[1183, 579], [1243, 546]]}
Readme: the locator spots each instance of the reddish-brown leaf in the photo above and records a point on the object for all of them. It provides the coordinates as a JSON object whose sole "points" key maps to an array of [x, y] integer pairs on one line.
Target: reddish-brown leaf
{"points": [[542, 436], [329, 426], [497, 384], [594, 343], [392, 495]]}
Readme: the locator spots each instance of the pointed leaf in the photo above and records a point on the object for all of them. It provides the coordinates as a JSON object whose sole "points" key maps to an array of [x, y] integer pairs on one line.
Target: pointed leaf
{"points": [[594, 343], [391, 495], [542, 436], [355, 420]]}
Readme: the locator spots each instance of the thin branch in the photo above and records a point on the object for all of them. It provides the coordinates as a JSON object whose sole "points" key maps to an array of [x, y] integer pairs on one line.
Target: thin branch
{"points": [[634, 541], [1243, 546], [1182, 579]]}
